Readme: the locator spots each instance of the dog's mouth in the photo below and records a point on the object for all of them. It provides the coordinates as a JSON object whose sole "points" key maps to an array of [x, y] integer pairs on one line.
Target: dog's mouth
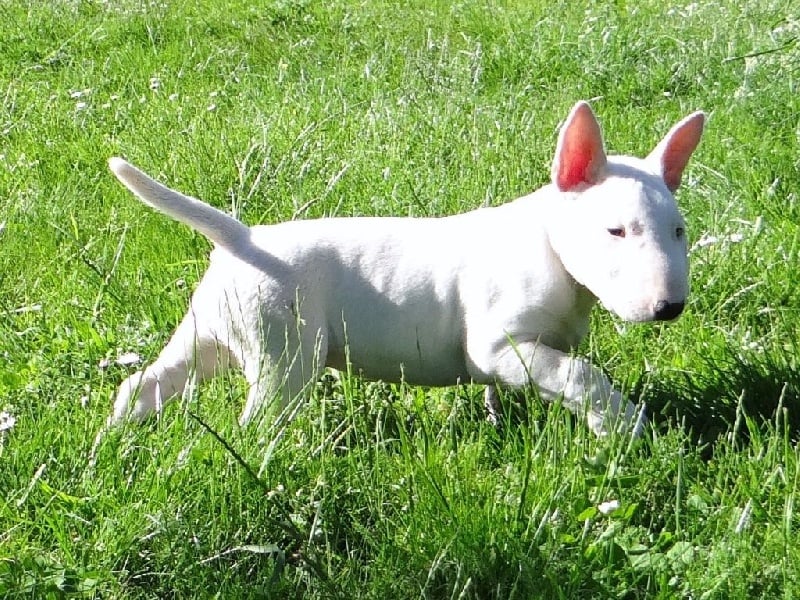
{"points": [[667, 311], [660, 311]]}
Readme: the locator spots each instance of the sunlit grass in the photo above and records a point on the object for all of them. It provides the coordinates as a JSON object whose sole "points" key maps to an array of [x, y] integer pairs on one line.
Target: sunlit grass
{"points": [[300, 110]]}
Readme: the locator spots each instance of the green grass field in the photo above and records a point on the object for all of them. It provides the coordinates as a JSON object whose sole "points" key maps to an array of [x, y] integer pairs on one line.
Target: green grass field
{"points": [[298, 109]]}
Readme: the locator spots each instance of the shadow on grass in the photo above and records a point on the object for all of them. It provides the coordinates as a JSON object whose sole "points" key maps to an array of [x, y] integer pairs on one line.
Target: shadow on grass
{"points": [[709, 401]]}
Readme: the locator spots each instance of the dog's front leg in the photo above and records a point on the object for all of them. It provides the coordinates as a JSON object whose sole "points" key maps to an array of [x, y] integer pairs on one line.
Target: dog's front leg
{"points": [[585, 390]]}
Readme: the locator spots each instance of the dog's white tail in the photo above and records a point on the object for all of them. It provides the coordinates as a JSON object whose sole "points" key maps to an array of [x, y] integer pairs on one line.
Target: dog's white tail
{"points": [[220, 228]]}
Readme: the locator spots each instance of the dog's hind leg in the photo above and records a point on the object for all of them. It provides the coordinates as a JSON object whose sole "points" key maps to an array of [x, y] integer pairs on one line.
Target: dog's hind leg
{"points": [[282, 373], [491, 403], [190, 352]]}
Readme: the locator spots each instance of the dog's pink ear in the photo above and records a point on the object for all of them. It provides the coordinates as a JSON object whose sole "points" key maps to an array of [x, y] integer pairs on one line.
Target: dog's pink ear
{"points": [[580, 158], [673, 152]]}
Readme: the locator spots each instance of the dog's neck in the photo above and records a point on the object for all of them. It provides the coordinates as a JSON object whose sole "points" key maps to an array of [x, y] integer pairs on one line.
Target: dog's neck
{"points": [[584, 298]]}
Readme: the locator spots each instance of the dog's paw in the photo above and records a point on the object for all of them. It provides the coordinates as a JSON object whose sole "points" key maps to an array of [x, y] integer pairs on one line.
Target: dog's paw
{"points": [[589, 392], [137, 397], [616, 414]]}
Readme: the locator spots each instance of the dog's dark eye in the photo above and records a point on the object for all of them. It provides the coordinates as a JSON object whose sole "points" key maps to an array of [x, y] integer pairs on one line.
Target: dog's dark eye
{"points": [[617, 231], [679, 232]]}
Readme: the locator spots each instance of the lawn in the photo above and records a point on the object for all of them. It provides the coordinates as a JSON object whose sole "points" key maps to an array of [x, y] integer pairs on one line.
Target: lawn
{"points": [[298, 109]]}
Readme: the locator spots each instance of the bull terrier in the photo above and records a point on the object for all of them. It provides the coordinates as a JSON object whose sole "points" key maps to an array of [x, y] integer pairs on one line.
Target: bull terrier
{"points": [[498, 296]]}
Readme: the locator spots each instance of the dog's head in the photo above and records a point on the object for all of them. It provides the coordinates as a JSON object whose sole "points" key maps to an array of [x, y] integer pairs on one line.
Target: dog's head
{"points": [[615, 224]]}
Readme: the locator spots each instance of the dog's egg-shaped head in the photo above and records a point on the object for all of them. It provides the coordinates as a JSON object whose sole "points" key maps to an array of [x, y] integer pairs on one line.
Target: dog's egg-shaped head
{"points": [[625, 241], [614, 222]]}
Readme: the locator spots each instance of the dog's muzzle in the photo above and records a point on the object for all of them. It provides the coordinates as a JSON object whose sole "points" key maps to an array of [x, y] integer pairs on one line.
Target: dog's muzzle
{"points": [[666, 311]]}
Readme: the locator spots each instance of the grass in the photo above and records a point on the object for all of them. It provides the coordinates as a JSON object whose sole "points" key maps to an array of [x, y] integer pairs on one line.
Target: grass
{"points": [[297, 109]]}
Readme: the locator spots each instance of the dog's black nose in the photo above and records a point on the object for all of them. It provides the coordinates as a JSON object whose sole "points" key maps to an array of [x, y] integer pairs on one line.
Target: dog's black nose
{"points": [[666, 311]]}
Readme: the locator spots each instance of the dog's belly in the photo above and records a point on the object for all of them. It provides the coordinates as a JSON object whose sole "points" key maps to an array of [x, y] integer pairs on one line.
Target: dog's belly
{"points": [[390, 311], [416, 354], [437, 371]]}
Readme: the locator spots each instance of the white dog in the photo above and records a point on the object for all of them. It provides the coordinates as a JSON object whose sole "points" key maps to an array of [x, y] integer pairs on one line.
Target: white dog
{"points": [[498, 295]]}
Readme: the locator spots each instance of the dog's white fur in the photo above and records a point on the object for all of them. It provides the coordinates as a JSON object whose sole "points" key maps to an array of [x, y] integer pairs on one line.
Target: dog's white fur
{"points": [[498, 295]]}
